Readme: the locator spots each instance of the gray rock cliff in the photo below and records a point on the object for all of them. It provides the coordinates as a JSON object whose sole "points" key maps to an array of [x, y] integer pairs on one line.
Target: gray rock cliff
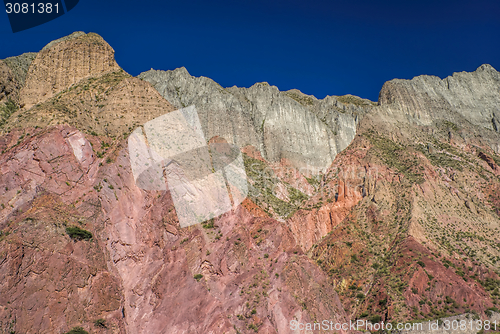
{"points": [[464, 96], [290, 125]]}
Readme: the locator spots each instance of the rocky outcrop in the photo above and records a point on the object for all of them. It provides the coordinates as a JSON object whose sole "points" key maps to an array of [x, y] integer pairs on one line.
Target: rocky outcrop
{"points": [[463, 97], [65, 63], [344, 184], [75, 80], [282, 125]]}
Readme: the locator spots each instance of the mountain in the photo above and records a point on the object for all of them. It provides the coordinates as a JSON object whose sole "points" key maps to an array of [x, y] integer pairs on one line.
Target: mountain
{"points": [[387, 211], [460, 98], [299, 128]]}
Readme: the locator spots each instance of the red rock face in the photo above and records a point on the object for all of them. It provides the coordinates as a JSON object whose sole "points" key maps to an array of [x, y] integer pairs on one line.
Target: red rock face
{"points": [[50, 282], [138, 271], [410, 247], [341, 188]]}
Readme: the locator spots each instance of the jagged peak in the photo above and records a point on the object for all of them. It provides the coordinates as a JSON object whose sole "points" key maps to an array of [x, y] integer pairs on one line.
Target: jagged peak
{"points": [[182, 70], [486, 67], [296, 94]]}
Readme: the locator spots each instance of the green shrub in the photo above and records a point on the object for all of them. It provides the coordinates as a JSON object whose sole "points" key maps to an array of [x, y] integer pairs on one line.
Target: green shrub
{"points": [[198, 277], [449, 300], [78, 234], [375, 319], [254, 327], [208, 223], [314, 180], [77, 330], [98, 187]]}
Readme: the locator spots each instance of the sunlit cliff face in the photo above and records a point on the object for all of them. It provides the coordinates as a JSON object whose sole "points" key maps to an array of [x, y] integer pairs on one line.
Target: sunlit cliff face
{"points": [[116, 211]]}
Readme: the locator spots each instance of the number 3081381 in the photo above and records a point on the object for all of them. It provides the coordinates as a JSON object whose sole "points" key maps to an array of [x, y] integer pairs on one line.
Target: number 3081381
{"points": [[25, 8]]}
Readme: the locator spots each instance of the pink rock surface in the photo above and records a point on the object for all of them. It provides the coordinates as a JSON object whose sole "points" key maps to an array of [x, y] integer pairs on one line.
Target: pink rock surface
{"points": [[138, 271]]}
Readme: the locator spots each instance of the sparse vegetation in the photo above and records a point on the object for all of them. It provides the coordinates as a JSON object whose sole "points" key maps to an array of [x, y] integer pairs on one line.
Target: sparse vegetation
{"points": [[77, 233], [300, 98], [208, 223], [346, 99], [375, 319], [77, 330], [398, 157], [6, 110]]}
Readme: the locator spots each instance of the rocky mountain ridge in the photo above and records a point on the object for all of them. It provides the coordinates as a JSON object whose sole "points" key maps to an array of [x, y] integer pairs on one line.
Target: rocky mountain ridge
{"points": [[281, 125], [473, 95], [399, 222]]}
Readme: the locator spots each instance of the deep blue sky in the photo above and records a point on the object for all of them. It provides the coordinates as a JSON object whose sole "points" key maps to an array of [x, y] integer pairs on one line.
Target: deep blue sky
{"points": [[320, 47]]}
